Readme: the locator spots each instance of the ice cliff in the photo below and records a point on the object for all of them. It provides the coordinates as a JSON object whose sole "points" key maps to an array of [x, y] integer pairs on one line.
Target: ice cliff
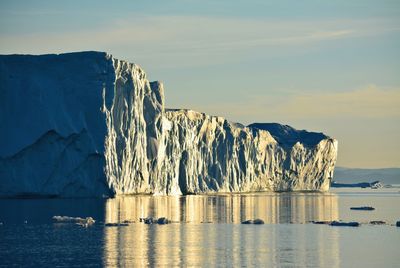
{"points": [[87, 124]]}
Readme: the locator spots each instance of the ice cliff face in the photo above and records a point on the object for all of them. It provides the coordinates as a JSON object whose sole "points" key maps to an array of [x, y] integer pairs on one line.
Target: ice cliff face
{"points": [[87, 124], [134, 123], [210, 154], [77, 124]]}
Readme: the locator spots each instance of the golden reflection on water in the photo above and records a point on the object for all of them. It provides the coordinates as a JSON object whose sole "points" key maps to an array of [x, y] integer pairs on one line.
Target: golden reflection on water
{"points": [[198, 243], [272, 208]]}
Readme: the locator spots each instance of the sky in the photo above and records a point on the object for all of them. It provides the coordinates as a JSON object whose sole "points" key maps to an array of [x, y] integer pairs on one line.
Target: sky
{"points": [[325, 66]]}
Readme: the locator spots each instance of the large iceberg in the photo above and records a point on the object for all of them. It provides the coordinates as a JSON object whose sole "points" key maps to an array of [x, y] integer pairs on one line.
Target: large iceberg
{"points": [[87, 124]]}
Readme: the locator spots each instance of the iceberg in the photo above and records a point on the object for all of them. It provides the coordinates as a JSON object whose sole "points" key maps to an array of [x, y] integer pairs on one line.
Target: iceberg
{"points": [[86, 124]]}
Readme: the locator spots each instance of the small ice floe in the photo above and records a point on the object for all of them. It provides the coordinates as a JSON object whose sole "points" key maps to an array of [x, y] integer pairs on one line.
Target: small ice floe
{"points": [[256, 221], [162, 220], [341, 223], [150, 220], [376, 185], [25, 222], [362, 208], [377, 222], [322, 222], [116, 224], [85, 222]]}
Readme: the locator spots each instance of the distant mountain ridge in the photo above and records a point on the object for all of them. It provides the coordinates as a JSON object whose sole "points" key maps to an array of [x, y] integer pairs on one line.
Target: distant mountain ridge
{"points": [[353, 175]]}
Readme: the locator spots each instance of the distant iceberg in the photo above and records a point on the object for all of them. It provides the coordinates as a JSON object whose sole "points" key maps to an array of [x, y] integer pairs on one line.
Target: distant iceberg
{"points": [[87, 124]]}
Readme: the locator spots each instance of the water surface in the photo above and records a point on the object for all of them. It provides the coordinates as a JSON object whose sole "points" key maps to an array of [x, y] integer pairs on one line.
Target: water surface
{"points": [[206, 230]]}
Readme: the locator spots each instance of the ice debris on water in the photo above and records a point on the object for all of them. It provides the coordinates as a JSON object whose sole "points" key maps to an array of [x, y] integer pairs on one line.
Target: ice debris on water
{"points": [[341, 223], [362, 208], [116, 224], [377, 222], [322, 222], [150, 220], [255, 221], [85, 222]]}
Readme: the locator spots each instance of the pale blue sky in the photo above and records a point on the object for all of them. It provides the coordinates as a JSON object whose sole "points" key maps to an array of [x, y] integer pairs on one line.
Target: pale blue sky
{"points": [[331, 66]]}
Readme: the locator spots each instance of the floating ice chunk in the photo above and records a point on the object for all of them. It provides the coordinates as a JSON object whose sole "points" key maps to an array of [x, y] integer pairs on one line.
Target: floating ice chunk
{"points": [[116, 224], [362, 208], [256, 221], [377, 222], [78, 220], [340, 223]]}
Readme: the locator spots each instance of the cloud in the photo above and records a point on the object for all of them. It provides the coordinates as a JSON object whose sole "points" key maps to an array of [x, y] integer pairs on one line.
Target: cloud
{"points": [[191, 40]]}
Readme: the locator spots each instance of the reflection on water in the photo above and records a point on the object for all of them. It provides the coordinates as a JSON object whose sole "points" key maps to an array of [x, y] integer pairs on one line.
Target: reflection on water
{"points": [[223, 244], [219, 245], [203, 233], [272, 208]]}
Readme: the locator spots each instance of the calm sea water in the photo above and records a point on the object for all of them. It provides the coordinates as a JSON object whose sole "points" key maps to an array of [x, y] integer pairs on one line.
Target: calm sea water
{"points": [[206, 231]]}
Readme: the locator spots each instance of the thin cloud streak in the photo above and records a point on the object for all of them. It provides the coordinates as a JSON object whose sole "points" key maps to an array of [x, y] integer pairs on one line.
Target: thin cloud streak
{"points": [[186, 40]]}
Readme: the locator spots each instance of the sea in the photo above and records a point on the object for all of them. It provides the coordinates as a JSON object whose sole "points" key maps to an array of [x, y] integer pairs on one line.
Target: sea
{"points": [[205, 231]]}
